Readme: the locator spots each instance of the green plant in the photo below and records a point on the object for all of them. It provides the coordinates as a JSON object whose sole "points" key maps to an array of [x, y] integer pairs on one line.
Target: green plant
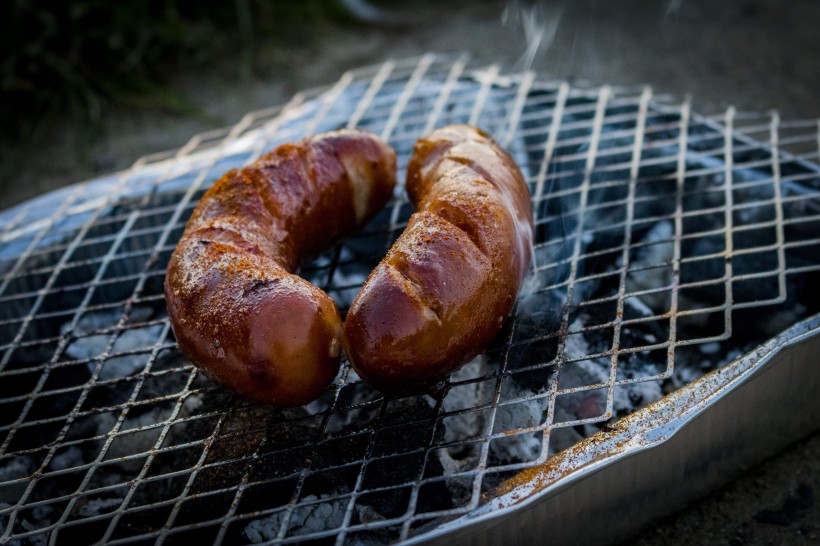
{"points": [[77, 56]]}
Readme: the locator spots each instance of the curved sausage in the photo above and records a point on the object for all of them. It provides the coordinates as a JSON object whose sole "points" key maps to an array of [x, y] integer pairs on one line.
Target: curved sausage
{"points": [[236, 308], [445, 287]]}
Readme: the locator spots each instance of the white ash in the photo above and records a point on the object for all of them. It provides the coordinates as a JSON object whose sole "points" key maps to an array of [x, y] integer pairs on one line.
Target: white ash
{"points": [[4, 522], [341, 420], [90, 346], [34, 540], [466, 425], [508, 417], [626, 398], [137, 435], [639, 307], [313, 518], [782, 320], [687, 372], [191, 406], [14, 469], [70, 458], [710, 348], [659, 251], [41, 516], [461, 457], [95, 507], [684, 375]]}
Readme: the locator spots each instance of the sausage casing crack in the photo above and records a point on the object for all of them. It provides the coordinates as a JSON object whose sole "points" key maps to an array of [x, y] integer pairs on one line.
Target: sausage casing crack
{"points": [[445, 287], [236, 307]]}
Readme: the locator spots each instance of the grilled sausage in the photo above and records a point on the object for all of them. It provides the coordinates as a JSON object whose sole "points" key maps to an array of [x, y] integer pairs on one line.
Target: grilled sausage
{"points": [[445, 287], [236, 308]]}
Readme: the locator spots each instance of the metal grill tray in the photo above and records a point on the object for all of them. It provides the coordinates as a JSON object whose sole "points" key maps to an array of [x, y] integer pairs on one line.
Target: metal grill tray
{"points": [[660, 235]]}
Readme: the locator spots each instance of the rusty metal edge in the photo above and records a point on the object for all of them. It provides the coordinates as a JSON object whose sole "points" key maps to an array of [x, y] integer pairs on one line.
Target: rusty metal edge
{"points": [[659, 458]]}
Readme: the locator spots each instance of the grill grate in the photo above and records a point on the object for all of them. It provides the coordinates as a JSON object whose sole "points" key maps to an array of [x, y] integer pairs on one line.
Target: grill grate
{"points": [[658, 232]]}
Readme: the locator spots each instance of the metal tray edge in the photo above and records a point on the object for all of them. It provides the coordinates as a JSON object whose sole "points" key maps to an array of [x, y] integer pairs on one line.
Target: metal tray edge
{"points": [[657, 459]]}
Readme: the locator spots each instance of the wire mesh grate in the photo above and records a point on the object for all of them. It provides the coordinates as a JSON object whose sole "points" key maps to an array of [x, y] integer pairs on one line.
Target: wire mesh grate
{"points": [[658, 232]]}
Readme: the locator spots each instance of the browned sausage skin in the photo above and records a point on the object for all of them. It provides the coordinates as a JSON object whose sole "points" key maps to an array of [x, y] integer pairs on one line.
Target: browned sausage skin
{"points": [[445, 287], [236, 308]]}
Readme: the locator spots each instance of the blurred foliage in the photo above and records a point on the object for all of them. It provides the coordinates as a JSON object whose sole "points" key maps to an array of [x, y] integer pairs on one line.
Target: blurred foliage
{"points": [[76, 57]]}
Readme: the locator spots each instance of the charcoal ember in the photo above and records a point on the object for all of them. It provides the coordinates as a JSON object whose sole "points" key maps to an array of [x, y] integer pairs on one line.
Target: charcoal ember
{"points": [[316, 514], [637, 334], [792, 311], [462, 453], [116, 392], [247, 430], [438, 495]]}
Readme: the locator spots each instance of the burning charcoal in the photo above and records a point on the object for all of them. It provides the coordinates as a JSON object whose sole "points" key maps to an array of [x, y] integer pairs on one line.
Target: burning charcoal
{"points": [[782, 319], [305, 519], [655, 253], [695, 366], [15, 468], [626, 398], [95, 507], [381, 505], [563, 437], [364, 403], [70, 458], [265, 529], [527, 447], [538, 313], [636, 306], [86, 347], [465, 425], [140, 440], [639, 394], [38, 515]]}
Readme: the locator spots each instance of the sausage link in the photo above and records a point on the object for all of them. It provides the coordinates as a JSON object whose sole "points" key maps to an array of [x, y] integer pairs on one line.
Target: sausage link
{"points": [[445, 287], [236, 308]]}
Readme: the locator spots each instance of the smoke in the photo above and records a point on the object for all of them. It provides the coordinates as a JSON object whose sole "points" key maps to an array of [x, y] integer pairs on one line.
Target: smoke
{"points": [[537, 22]]}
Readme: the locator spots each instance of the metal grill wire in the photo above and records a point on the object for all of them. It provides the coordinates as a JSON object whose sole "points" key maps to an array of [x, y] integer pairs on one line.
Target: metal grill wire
{"points": [[652, 222]]}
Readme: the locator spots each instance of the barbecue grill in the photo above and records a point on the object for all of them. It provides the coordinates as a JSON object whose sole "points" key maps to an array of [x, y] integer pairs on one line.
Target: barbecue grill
{"points": [[664, 337]]}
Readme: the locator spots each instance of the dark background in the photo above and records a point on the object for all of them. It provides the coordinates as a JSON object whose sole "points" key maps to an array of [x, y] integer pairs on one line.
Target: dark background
{"points": [[90, 86]]}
